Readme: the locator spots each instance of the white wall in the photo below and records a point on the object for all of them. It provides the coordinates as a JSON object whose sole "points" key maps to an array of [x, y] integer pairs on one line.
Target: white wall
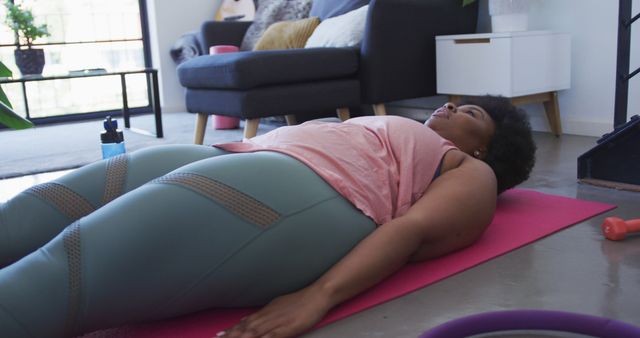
{"points": [[167, 21], [588, 107]]}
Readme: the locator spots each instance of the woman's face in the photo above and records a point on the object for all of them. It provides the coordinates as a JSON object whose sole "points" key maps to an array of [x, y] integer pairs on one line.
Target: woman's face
{"points": [[469, 127]]}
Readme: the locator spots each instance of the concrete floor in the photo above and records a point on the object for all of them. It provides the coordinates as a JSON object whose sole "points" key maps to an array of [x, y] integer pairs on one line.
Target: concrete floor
{"points": [[573, 270]]}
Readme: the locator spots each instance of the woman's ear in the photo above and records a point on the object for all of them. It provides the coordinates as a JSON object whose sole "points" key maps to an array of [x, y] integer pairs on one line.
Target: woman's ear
{"points": [[480, 153]]}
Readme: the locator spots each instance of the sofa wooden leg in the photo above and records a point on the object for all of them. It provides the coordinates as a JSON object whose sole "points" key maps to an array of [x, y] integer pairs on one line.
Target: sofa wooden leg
{"points": [[343, 114], [379, 109], [201, 127], [251, 127], [291, 119]]}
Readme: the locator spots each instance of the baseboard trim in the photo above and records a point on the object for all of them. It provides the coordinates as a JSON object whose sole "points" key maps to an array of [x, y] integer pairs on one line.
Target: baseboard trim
{"points": [[173, 109], [573, 127]]}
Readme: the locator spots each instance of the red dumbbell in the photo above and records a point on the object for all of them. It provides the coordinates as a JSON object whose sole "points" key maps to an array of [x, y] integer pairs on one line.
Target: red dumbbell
{"points": [[615, 228]]}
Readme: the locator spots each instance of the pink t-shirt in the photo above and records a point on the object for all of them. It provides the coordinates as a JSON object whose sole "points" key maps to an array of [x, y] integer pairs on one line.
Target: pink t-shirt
{"points": [[381, 164]]}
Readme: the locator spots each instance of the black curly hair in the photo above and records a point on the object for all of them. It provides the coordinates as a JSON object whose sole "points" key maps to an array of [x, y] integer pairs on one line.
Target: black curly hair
{"points": [[511, 152]]}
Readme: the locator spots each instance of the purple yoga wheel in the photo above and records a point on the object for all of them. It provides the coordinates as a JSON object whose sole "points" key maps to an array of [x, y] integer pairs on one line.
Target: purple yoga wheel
{"points": [[533, 320]]}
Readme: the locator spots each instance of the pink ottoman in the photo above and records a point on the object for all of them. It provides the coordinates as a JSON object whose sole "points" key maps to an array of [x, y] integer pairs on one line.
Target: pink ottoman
{"points": [[224, 122]]}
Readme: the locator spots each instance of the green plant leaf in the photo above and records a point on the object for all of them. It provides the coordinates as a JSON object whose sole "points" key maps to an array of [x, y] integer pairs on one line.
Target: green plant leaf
{"points": [[12, 120], [4, 71], [22, 22], [4, 99], [467, 2]]}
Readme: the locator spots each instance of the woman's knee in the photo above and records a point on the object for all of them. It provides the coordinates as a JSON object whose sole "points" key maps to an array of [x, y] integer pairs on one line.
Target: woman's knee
{"points": [[149, 163]]}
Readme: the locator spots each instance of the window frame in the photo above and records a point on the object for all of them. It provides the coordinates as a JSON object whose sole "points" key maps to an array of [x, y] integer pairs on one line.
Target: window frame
{"points": [[77, 116]]}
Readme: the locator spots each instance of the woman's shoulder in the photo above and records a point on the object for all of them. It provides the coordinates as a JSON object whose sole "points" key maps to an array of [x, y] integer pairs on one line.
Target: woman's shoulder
{"points": [[457, 159]]}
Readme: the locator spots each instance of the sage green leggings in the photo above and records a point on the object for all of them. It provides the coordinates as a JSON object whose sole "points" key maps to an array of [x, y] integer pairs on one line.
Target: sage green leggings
{"points": [[164, 232]]}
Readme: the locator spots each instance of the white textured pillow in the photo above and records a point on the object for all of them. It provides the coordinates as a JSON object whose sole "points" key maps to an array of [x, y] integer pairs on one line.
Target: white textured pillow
{"points": [[341, 31]]}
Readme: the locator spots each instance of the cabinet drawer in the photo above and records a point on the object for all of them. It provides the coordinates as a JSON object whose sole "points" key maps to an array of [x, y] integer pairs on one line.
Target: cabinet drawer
{"points": [[507, 64]]}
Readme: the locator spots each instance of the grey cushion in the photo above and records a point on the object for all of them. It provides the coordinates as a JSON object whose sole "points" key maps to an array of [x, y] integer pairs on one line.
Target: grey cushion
{"points": [[186, 47], [244, 70], [329, 8], [272, 11]]}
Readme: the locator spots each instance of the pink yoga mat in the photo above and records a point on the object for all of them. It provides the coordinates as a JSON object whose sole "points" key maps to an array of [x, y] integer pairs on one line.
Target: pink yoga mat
{"points": [[523, 216]]}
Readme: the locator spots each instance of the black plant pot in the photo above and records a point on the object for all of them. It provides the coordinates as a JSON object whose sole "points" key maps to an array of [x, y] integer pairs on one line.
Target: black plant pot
{"points": [[29, 61]]}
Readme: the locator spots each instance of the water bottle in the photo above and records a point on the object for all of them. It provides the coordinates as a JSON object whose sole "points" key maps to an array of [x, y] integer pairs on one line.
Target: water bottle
{"points": [[112, 139]]}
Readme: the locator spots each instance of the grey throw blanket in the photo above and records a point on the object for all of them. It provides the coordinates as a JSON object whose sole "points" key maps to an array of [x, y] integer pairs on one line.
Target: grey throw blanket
{"points": [[186, 47]]}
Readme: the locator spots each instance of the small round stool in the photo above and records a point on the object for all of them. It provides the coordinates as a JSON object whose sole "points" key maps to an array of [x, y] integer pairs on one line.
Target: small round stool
{"points": [[224, 122]]}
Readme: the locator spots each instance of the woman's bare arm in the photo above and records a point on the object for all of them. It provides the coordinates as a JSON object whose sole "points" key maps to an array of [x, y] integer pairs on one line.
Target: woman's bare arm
{"points": [[452, 214]]}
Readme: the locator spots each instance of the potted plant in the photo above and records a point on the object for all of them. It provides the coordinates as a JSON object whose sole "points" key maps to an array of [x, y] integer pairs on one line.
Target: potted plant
{"points": [[509, 15], [31, 60], [7, 116]]}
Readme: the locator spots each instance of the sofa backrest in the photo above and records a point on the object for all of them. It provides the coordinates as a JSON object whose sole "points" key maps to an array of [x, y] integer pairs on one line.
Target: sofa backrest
{"points": [[397, 56], [325, 9]]}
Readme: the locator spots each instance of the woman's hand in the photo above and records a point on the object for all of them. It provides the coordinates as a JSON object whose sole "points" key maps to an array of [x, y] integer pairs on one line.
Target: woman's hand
{"points": [[286, 316]]}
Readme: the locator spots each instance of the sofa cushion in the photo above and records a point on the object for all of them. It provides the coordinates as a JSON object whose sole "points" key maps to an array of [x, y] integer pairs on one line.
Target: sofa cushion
{"points": [[271, 11], [287, 34], [244, 70], [283, 99], [329, 8], [345, 30]]}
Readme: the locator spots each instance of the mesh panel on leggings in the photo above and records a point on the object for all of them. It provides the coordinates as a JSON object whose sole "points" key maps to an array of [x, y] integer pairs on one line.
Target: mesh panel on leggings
{"points": [[116, 174], [69, 202], [74, 260], [238, 202]]}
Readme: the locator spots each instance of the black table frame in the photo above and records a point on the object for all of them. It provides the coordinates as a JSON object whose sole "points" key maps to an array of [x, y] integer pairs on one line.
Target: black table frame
{"points": [[153, 93]]}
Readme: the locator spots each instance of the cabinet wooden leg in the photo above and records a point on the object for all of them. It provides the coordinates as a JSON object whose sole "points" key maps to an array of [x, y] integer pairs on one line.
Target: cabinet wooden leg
{"points": [[291, 119], [379, 109], [251, 127], [455, 99], [201, 127], [343, 114], [552, 109]]}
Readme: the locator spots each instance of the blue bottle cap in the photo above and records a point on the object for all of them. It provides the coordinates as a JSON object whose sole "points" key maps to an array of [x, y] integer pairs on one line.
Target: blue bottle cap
{"points": [[111, 134]]}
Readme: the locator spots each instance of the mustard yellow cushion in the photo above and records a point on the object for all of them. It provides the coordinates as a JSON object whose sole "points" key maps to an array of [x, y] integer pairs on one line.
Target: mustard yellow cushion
{"points": [[287, 34]]}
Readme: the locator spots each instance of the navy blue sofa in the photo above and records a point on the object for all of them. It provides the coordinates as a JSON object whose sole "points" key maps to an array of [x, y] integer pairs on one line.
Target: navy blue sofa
{"points": [[395, 61]]}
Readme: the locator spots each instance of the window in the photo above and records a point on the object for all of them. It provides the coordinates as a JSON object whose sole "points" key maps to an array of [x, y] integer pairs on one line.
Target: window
{"points": [[85, 34]]}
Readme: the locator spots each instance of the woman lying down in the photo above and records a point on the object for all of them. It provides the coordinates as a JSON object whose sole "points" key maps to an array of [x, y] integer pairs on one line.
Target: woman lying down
{"points": [[297, 220]]}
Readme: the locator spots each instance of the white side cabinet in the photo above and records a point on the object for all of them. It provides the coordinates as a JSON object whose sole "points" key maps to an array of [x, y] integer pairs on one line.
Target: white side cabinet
{"points": [[526, 67]]}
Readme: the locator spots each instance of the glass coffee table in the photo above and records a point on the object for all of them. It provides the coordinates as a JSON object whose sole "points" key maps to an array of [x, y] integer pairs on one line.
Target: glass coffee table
{"points": [[153, 94]]}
